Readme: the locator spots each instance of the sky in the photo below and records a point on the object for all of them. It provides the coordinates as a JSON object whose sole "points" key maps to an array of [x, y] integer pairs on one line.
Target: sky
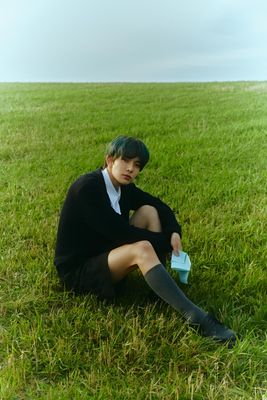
{"points": [[133, 40]]}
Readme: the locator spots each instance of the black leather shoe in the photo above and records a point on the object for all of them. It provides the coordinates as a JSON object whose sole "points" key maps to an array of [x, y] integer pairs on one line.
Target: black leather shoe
{"points": [[211, 327]]}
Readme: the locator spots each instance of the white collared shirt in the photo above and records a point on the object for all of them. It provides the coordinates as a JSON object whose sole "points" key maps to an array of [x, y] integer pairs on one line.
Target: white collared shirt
{"points": [[113, 194]]}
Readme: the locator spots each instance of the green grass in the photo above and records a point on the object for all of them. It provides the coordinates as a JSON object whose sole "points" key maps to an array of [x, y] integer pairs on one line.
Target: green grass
{"points": [[208, 146]]}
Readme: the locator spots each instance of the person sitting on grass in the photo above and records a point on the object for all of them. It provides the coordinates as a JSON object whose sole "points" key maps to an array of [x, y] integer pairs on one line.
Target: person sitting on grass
{"points": [[98, 244]]}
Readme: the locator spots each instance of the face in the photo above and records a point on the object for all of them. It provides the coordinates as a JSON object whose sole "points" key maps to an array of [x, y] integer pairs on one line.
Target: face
{"points": [[122, 170]]}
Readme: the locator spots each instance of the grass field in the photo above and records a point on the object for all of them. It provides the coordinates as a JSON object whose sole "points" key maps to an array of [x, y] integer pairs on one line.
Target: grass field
{"points": [[208, 146]]}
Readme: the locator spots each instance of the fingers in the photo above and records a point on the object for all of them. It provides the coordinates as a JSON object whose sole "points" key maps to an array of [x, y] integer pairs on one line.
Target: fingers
{"points": [[176, 243]]}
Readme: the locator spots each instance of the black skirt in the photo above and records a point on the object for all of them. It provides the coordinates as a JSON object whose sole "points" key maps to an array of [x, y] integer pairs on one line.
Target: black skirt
{"points": [[89, 276]]}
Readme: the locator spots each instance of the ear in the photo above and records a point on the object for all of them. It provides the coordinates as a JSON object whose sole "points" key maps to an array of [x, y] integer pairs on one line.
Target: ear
{"points": [[109, 161]]}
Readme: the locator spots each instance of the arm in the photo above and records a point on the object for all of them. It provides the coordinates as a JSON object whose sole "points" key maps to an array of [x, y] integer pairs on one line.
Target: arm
{"points": [[100, 217]]}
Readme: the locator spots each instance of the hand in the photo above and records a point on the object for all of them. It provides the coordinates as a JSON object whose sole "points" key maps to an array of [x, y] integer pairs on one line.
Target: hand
{"points": [[176, 243]]}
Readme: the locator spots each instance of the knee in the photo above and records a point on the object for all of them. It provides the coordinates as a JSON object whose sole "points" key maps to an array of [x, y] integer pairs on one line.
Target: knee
{"points": [[148, 210], [144, 246], [151, 216], [143, 251]]}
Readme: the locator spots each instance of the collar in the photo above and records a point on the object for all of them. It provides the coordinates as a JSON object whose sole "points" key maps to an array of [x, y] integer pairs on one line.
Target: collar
{"points": [[113, 194]]}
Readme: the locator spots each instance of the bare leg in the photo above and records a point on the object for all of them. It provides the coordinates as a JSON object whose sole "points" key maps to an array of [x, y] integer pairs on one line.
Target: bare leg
{"points": [[125, 259], [146, 217]]}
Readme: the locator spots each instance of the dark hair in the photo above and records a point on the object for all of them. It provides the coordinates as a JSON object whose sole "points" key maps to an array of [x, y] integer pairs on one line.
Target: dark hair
{"points": [[129, 147]]}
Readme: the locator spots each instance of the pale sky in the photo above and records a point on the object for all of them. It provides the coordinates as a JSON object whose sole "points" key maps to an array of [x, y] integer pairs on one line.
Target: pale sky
{"points": [[133, 40]]}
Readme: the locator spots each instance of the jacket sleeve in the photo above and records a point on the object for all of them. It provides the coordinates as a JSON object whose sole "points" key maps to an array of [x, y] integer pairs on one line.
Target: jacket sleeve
{"points": [[167, 218], [101, 218]]}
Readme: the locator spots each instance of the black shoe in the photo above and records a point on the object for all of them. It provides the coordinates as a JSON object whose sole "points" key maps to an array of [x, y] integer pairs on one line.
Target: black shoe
{"points": [[211, 327]]}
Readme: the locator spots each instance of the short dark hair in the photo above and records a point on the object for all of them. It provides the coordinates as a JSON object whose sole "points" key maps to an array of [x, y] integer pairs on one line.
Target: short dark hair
{"points": [[129, 147]]}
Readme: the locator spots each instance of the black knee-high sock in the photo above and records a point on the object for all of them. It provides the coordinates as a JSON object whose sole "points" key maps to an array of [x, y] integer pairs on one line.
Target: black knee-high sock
{"points": [[165, 287]]}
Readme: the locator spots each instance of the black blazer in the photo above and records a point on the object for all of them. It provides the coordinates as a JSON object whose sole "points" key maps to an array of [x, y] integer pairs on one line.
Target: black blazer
{"points": [[89, 226]]}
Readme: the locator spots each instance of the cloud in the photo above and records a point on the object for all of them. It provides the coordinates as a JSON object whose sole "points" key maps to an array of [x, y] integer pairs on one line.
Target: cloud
{"points": [[132, 40]]}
